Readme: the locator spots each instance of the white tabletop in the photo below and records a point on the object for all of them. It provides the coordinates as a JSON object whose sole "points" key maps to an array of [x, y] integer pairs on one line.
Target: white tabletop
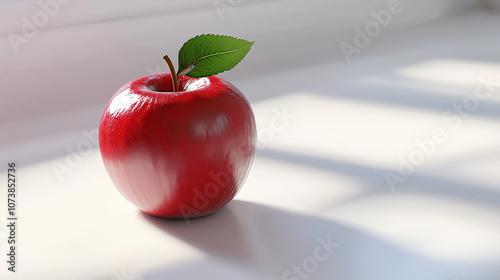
{"points": [[316, 204]]}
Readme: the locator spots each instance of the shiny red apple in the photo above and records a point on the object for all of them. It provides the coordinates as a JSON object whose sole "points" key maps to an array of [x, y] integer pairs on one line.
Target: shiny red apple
{"points": [[179, 154]]}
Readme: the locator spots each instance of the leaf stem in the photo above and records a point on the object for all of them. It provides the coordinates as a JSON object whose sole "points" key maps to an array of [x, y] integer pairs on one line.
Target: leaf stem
{"points": [[173, 74]]}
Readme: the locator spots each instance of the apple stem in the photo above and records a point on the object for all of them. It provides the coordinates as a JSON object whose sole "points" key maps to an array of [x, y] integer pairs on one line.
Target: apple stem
{"points": [[175, 79]]}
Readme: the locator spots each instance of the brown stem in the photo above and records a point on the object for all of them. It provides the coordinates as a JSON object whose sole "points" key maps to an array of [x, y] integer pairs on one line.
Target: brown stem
{"points": [[175, 79]]}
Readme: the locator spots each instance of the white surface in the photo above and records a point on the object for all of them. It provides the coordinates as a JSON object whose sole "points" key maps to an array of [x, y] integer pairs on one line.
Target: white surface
{"points": [[319, 177]]}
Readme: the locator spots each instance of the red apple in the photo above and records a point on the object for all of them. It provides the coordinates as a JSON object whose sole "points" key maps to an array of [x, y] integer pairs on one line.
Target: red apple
{"points": [[179, 154]]}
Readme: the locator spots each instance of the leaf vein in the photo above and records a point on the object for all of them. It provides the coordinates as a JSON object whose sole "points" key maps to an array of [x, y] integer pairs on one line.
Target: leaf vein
{"points": [[214, 55]]}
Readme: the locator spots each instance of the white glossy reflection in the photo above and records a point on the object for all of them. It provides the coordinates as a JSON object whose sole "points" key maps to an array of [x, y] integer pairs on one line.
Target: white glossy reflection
{"points": [[122, 102], [197, 84]]}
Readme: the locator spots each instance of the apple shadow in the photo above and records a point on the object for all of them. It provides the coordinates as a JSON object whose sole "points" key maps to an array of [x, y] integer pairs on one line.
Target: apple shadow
{"points": [[265, 242]]}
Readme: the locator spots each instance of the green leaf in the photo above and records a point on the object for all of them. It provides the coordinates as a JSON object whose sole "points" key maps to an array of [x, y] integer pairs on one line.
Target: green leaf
{"points": [[208, 54]]}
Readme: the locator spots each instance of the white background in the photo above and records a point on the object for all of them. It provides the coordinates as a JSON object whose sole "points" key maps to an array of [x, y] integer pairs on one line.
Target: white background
{"points": [[320, 176]]}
